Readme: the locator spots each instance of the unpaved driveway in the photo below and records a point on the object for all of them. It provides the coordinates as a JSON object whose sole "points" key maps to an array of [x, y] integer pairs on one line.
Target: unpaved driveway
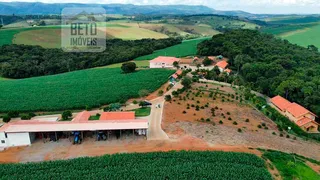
{"points": [[155, 131]]}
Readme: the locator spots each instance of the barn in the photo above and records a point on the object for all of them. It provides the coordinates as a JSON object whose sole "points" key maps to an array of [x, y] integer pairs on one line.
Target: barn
{"points": [[24, 132]]}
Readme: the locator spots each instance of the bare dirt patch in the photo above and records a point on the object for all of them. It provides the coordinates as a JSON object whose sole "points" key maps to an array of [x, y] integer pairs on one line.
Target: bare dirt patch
{"points": [[232, 123]]}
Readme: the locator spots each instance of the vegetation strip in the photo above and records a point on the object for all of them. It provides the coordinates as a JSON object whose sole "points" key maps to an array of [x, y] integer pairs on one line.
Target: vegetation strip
{"points": [[291, 166], [157, 165]]}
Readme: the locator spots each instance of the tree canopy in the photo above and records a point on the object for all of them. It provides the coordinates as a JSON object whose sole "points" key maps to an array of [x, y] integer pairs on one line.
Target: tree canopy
{"points": [[128, 67], [270, 65], [22, 61]]}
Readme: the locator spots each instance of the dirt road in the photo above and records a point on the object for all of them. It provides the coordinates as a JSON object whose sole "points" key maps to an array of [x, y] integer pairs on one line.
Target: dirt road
{"points": [[155, 131]]}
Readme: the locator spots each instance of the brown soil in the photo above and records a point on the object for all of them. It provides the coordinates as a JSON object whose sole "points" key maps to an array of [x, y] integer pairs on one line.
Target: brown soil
{"points": [[64, 149], [194, 123]]}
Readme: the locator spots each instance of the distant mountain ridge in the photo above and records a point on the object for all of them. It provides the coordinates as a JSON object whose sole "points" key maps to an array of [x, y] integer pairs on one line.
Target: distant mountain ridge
{"points": [[23, 8]]}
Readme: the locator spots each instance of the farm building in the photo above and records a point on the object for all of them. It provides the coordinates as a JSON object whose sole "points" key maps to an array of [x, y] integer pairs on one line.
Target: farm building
{"points": [[24, 132], [222, 65], [163, 62], [177, 74], [296, 113]]}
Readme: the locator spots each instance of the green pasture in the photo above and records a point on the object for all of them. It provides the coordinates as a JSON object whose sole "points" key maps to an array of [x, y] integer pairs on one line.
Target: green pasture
{"points": [[186, 48]]}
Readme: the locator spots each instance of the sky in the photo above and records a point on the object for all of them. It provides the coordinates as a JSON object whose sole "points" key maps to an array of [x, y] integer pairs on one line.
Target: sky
{"points": [[253, 6]]}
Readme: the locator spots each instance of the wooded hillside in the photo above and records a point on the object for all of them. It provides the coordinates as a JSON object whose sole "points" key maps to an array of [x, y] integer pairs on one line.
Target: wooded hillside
{"points": [[22, 61], [270, 65]]}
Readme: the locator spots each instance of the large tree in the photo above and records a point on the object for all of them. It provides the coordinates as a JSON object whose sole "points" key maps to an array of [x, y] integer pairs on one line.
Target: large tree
{"points": [[128, 67]]}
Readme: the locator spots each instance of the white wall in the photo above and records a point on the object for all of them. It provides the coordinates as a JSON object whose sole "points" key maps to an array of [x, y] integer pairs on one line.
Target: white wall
{"points": [[18, 139], [160, 65]]}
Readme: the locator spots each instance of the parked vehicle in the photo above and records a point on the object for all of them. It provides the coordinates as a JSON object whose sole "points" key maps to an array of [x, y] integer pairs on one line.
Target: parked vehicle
{"points": [[77, 138]]}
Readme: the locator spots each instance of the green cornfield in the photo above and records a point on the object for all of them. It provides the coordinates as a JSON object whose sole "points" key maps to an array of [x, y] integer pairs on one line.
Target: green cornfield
{"points": [[78, 89], [157, 165]]}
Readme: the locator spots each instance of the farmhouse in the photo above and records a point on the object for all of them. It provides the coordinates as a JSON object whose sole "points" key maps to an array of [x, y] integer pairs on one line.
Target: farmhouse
{"points": [[163, 62], [296, 113], [24, 132], [222, 65]]}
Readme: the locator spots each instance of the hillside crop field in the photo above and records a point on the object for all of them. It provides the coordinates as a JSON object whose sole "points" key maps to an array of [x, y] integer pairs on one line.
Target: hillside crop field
{"points": [[309, 36], [186, 48], [157, 165], [8, 35], [78, 89], [291, 166]]}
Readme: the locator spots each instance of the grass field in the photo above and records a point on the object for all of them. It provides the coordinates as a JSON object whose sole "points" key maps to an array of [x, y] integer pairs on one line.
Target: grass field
{"points": [[7, 35], [157, 165], [140, 64], [47, 38], [78, 89], [305, 37], [50, 36], [291, 166], [186, 48], [142, 112], [287, 29]]}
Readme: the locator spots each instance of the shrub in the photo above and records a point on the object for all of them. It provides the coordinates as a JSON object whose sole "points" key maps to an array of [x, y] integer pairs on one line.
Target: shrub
{"points": [[220, 122], [31, 114], [229, 118], [239, 130], [197, 108], [25, 117], [228, 113], [13, 114], [167, 98], [235, 123], [274, 133], [263, 124], [66, 115], [259, 126], [287, 136], [6, 118], [208, 119], [160, 92], [266, 128], [247, 120], [281, 135], [135, 102], [184, 112], [216, 107]]}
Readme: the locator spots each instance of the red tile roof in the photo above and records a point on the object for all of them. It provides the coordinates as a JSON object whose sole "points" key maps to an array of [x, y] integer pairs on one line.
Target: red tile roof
{"points": [[179, 72], [165, 59], [175, 76], [296, 110], [117, 116], [280, 102], [222, 64], [303, 121]]}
